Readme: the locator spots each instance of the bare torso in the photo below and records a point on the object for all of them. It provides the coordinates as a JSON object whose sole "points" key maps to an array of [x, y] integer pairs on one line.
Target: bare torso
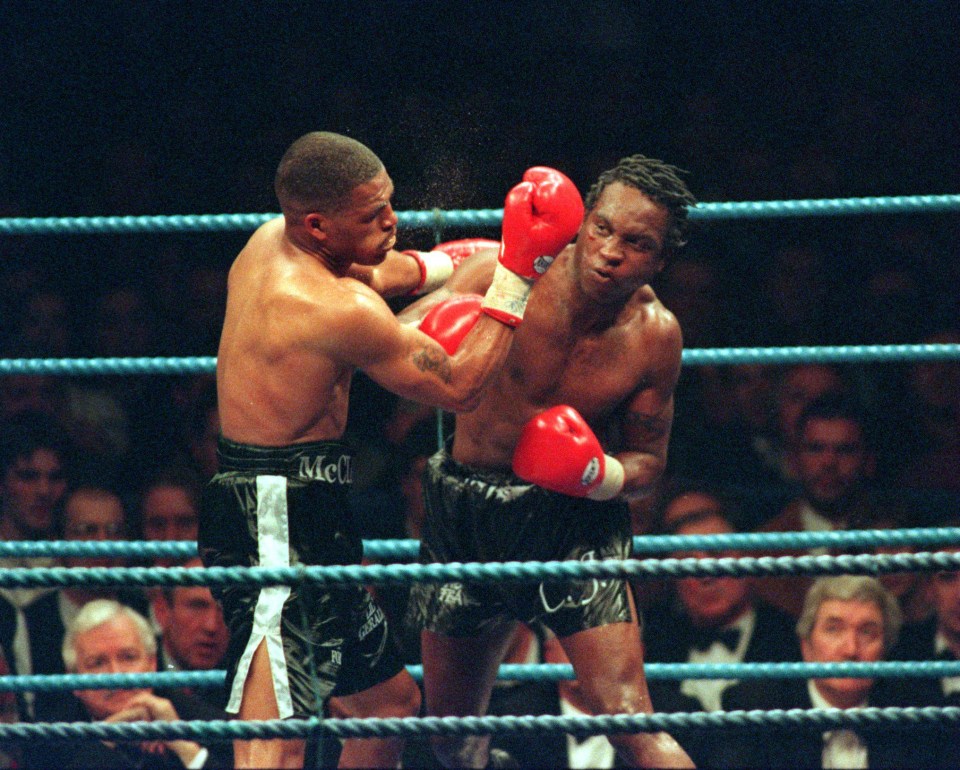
{"points": [[556, 360], [275, 384]]}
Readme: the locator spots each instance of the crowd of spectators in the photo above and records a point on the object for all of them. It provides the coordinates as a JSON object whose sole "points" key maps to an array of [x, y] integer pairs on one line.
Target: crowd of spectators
{"points": [[810, 446], [807, 446]]}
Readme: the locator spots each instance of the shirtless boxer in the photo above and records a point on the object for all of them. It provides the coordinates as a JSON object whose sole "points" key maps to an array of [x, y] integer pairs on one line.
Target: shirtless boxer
{"points": [[303, 312], [597, 351]]}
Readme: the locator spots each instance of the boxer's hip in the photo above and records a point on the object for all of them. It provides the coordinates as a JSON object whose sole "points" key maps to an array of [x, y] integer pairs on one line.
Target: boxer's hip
{"points": [[296, 496]]}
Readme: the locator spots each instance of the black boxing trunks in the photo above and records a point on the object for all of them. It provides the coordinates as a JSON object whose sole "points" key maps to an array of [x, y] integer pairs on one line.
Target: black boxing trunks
{"points": [[477, 515], [282, 507]]}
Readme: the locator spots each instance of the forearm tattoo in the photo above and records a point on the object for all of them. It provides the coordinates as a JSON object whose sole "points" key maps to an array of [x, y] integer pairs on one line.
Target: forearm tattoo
{"points": [[433, 359]]}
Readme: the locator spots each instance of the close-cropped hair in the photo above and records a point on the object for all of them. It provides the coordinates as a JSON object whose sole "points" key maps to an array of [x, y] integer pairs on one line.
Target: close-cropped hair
{"points": [[170, 592], [178, 475], [320, 170], [725, 506], [26, 432], [659, 181], [834, 406], [699, 516], [94, 614], [860, 588], [84, 487]]}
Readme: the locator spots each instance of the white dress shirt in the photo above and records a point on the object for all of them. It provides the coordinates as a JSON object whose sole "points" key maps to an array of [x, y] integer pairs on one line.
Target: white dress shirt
{"points": [[841, 748], [709, 691], [814, 521], [949, 684]]}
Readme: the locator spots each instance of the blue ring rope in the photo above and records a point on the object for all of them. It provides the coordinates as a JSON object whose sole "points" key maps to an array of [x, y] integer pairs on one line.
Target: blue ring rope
{"points": [[690, 357], [438, 219], [550, 571], [510, 672], [642, 544], [222, 730], [739, 541]]}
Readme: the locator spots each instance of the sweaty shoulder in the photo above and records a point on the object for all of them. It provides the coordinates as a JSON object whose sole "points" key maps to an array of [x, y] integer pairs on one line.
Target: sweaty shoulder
{"points": [[360, 325], [655, 318], [292, 297], [657, 336]]}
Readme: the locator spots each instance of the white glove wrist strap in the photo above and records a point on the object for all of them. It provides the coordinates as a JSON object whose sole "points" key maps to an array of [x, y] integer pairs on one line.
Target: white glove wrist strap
{"points": [[507, 295], [612, 482], [435, 268]]}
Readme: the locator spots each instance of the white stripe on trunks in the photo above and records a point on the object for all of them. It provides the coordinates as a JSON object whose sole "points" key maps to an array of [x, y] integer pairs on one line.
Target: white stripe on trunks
{"points": [[273, 547]]}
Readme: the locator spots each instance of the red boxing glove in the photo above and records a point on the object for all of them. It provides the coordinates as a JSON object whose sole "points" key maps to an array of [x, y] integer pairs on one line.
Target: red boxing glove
{"points": [[465, 247], [541, 215], [438, 265], [558, 451], [448, 322]]}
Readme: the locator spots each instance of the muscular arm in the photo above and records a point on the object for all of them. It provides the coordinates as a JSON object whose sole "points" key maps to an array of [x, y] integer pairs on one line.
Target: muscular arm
{"points": [[648, 415], [644, 457], [397, 275], [407, 362]]}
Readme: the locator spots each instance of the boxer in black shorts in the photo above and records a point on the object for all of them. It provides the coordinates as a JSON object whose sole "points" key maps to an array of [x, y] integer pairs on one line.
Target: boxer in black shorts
{"points": [[283, 507], [596, 360], [305, 310], [478, 516]]}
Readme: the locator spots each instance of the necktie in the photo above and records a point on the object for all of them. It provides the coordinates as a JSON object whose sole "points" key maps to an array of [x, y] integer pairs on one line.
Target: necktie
{"points": [[704, 637]]}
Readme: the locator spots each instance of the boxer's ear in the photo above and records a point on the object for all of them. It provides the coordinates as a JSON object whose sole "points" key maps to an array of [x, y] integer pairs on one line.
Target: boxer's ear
{"points": [[316, 225]]}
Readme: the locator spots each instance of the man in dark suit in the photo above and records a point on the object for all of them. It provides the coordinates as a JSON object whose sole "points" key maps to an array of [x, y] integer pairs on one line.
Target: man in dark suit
{"points": [[845, 618], [193, 635], [87, 512], [12, 706], [710, 620], [834, 461], [108, 637], [937, 638]]}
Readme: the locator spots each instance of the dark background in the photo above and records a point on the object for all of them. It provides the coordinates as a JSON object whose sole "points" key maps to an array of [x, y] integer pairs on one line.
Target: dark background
{"points": [[150, 107], [112, 108]]}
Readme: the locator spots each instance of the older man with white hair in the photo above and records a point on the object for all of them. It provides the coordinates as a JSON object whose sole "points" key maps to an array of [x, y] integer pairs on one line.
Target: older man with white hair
{"points": [[850, 618], [107, 637]]}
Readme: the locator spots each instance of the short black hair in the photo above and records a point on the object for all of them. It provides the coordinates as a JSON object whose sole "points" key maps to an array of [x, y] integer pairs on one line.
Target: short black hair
{"points": [[319, 170], [834, 406], [728, 508], [179, 475], [661, 182], [25, 432]]}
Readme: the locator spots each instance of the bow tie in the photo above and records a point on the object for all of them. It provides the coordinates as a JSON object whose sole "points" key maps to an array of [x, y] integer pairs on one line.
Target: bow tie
{"points": [[702, 638]]}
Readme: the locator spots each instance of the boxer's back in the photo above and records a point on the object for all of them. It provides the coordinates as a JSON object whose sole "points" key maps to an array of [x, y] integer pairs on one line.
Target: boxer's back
{"points": [[276, 385]]}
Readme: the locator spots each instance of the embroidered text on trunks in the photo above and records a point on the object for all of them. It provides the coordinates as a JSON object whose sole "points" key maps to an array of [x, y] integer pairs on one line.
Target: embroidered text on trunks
{"points": [[569, 600], [334, 472], [374, 618]]}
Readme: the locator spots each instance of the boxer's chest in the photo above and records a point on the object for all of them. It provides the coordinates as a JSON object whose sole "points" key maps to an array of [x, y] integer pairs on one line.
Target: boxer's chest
{"points": [[592, 372]]}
